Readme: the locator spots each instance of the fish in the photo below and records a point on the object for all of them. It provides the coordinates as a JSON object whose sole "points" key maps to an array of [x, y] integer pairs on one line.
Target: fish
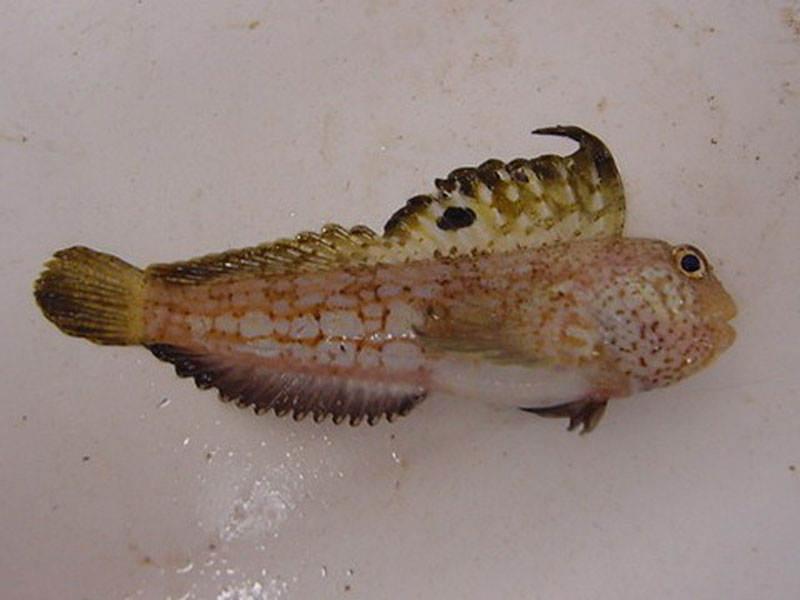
{"points": [[511, 284]]}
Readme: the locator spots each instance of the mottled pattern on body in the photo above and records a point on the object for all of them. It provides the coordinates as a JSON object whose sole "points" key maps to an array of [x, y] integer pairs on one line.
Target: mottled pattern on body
{"points": [[619, 311]]}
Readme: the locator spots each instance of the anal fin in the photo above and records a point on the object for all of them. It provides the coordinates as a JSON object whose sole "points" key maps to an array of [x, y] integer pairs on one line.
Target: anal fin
{"points": [[246, 380]]}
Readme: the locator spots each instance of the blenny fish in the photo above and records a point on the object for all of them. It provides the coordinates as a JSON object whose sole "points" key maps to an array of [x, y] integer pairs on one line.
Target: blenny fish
{"points": [[511, 284]]}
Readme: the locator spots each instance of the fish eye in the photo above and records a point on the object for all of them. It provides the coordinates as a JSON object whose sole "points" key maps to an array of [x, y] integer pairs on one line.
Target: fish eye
{"points": [[690, 261]]}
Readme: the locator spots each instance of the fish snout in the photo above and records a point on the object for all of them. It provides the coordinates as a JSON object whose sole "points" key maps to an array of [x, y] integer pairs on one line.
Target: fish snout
{"points": [[726, 309], [721, 309]]}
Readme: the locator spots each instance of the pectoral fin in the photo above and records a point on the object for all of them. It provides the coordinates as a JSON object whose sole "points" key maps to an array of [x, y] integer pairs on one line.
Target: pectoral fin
{"points": [[480, 330]]}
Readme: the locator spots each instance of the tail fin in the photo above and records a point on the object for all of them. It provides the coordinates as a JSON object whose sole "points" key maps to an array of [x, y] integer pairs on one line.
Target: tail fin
{"points": [[93, 295]]}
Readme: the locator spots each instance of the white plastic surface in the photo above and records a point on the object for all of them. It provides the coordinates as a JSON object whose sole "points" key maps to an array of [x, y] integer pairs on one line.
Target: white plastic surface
{"points": [[163, 130]]}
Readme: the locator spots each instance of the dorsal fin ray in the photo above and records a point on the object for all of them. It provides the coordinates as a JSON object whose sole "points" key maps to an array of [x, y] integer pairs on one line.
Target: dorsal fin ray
{"points": [[333, 246], [495, 207]]}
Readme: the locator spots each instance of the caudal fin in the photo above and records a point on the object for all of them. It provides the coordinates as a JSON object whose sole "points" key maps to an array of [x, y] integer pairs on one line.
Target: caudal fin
{"points": [[92, 295]]}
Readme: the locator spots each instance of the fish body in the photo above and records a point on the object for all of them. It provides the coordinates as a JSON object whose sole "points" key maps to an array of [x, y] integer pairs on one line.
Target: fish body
{"points": [[512, 285]]}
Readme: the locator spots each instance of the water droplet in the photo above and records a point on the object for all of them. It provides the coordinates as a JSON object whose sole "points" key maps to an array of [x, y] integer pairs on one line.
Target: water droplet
{"points": [[324, 571], [186, 568]]}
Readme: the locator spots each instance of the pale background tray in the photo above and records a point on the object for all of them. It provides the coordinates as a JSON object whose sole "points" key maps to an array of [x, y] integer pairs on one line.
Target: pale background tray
{"points": [[163, 130]]}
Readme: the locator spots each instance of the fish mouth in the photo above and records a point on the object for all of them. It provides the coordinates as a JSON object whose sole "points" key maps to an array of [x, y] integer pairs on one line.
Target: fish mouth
{"points": [[724, 336]]}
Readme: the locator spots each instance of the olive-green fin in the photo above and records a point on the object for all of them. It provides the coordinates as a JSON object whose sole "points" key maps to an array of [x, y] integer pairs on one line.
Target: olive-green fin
{"points": [[585, 413], [245, 380], [334, 246], [525, 203], [478, 328], [497, 206], [92, 295]]}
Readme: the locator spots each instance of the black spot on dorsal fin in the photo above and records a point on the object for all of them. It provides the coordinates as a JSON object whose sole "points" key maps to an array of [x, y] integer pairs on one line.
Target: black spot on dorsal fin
{"points": [[456, 217]]}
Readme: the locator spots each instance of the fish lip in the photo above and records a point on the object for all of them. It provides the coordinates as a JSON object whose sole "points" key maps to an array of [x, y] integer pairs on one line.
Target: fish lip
{"points": [[722, 312], [727, 310], [724, 336]]}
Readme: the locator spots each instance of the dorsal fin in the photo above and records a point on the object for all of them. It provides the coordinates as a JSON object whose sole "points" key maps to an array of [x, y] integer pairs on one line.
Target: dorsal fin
{"points": [[525, 203], [333, 246], [497, 206]]}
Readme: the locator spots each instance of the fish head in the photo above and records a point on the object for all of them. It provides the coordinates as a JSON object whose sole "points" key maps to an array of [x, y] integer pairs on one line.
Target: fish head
{"points": [[664, 313]]}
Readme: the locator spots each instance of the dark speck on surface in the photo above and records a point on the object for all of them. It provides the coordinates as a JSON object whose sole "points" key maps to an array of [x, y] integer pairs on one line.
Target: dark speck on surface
{"points": [[456, 217], [791, 18]]}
